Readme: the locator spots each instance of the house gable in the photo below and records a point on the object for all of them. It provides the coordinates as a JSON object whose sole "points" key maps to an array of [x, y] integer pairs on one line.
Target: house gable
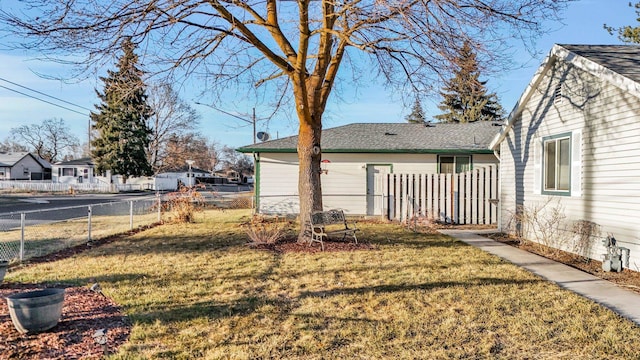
{"points": [[592, 102], [601, 62], [23, 166]]}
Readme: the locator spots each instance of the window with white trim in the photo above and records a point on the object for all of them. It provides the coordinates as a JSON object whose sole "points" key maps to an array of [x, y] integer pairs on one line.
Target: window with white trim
{"points": [[557, 165], [68, 172]]}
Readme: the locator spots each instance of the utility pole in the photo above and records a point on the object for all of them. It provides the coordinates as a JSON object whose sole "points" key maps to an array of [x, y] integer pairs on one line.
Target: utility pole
{"points": [[254, 125]]}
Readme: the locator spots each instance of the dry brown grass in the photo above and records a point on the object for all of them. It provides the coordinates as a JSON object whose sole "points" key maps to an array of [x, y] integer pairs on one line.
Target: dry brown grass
{"points": [[196, 291]]}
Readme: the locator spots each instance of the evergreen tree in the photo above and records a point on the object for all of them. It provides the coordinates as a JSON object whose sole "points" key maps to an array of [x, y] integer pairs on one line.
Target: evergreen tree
{"points": [[417, 114], [629, 34], [465, 97], [121, 120]]}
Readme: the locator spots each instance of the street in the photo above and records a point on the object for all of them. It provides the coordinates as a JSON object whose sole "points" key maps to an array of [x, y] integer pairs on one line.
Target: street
{"points": [[17, 203]]}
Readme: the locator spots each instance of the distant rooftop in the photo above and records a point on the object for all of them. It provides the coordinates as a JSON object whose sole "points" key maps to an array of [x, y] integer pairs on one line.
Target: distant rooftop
{"points": [[81, 161], [9, 159]]}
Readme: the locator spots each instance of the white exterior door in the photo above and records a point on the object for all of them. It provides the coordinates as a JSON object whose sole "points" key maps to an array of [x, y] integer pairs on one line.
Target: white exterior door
{"points": [[375, 194]]}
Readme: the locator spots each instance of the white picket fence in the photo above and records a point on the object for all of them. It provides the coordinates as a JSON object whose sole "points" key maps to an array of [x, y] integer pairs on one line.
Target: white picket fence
{"points": [[48, 186], [464, 198]]}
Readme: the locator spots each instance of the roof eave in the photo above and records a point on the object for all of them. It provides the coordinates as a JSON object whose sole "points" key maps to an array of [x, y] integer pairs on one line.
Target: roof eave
{"points": [[375, 151], [558, 52], [526, 95]]}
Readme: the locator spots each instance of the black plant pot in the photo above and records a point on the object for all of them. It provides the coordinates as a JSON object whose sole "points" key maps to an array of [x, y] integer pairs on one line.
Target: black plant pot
{"points": [[36, 311], [3, 269]]}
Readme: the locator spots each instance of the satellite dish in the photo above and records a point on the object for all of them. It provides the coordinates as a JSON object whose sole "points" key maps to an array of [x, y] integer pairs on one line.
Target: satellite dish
{"points": [[262, 136]]}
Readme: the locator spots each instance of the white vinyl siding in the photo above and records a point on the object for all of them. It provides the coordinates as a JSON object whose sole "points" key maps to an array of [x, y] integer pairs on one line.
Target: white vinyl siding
{"points": [[22, 169], [344, 186], [278, 185], [602, 122]]}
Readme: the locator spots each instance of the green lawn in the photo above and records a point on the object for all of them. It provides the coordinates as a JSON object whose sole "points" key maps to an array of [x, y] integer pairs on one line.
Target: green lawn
{"points": [[196, 291]]}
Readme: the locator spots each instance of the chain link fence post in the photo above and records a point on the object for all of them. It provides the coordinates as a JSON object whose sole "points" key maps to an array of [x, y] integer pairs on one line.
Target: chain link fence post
{"points": [[22, 223], [131, 215], [89, 223]]}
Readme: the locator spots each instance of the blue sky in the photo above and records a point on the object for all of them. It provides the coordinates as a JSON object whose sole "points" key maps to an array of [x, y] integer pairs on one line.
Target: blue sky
{"points": [[583, 24]]}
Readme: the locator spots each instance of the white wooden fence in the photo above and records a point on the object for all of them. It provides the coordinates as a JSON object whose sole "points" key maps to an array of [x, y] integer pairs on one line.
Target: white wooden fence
{"points": [[464, 198], [48, 186]]}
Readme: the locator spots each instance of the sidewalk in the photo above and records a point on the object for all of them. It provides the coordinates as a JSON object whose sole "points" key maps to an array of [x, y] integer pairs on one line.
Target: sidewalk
{"points": [[625, 303]]}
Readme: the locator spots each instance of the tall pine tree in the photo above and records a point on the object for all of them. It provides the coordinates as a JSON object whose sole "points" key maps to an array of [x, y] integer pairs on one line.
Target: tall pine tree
{"points": [[121, 118], [417, 114], [465, 97]]}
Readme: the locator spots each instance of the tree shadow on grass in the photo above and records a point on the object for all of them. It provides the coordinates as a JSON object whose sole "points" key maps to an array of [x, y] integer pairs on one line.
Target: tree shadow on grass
{"points": [[282, 306]]}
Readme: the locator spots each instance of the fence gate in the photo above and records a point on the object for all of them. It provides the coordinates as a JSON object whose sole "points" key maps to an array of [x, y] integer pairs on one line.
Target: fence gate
{"points": [[464, 198]]}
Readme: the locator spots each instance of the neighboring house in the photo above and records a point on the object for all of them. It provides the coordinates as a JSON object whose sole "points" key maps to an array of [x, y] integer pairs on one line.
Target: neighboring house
{"points": [[74, 171], [23, 166], [353, 154], [172, 179], [570, 152]]}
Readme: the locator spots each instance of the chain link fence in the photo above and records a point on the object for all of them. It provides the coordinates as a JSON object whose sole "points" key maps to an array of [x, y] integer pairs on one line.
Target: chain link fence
{"points": [[37, 233], [29, 234]]}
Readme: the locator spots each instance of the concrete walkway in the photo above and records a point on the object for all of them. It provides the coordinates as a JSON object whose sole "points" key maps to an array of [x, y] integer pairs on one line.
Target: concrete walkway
{"points": [[624, 302]]}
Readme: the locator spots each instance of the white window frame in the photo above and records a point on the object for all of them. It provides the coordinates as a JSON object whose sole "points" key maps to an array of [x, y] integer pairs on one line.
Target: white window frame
{"points": [[557, 164]]}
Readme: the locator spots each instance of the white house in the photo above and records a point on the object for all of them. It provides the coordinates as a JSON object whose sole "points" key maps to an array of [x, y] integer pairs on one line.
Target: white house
{"points": [[74, 171], [23, 166], [172, 179], [570, 152], [353, 154]]}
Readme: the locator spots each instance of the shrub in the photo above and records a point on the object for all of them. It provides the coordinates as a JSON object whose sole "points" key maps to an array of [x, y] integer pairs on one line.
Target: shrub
{"points": [[266, 231], [183, 204]]}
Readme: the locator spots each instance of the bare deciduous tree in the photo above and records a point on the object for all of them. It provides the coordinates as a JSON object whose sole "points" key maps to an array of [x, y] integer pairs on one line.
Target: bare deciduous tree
{"points": [[190, 146], [288, 49], [9, 145], [49, 140], [172, 116], [233, 160]]}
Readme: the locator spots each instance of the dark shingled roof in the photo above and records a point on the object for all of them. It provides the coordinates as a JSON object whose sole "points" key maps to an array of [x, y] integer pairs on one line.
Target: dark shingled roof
{"points": [[394, 138], [81, 161], [622, 59]]}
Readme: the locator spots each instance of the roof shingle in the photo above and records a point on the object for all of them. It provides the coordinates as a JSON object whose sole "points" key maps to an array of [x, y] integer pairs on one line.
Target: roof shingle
{"points": [[394, 137]]}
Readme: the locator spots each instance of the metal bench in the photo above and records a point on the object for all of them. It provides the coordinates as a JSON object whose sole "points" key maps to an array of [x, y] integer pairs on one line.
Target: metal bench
{"points": [[331, 222]]}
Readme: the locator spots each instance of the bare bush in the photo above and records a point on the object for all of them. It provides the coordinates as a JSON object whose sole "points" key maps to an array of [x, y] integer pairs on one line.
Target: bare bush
{"points": [[541, 223], [183, 204], [262, 230], [586, 230], [420, 222]]}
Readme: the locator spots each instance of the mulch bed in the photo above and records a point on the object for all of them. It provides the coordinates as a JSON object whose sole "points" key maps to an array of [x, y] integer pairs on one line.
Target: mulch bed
{"points": [[627, 279], [83, 313]]}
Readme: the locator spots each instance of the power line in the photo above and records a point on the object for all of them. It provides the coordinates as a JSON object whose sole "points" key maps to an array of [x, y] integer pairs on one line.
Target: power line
{"points": [[41, 93], [45, 101]]}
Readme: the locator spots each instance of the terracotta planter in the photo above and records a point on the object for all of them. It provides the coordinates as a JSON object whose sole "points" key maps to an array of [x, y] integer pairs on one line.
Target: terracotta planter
{"points": [[36, 311], [3, 269]]}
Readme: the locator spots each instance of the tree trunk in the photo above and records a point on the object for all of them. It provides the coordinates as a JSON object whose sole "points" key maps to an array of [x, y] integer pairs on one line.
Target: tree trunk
{"points": [[309, 186]]}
